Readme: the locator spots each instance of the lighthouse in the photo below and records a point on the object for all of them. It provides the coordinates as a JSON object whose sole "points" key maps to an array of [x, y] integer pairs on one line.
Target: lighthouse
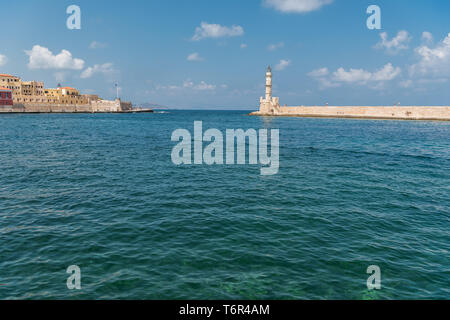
{"points": [[269, 84], [268, 104]]}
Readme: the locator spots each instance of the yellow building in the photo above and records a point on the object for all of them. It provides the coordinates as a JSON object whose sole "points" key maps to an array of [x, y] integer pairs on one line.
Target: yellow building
{"points": [[10, 82], [65, 95], [34, 96], [23, 91], [31, 88], [68, 91], [53, 93]]}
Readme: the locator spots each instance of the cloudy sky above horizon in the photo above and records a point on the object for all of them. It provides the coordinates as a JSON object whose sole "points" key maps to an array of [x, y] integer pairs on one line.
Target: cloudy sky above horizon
{"points": [[213, 54]]}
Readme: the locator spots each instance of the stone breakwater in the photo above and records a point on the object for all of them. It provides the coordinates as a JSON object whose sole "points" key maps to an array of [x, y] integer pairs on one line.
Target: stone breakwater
{"points": [[99, 106], [360, 112], [270, 106]]}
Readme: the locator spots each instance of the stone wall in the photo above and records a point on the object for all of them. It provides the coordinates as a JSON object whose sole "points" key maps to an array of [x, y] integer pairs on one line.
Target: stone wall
{"points": [[12, 109], [98, 106], [57, 108], [105, 106], [111, 106], [393, 112]]}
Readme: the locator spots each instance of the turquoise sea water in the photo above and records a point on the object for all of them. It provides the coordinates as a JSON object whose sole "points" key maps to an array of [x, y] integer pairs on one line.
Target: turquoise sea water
{"points": [[101, 192]]}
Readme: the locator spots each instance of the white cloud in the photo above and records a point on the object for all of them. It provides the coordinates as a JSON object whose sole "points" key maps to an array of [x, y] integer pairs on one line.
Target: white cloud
{"points": [[433, 61], [283, 64], [194, 57], [189, 84], [322, 72], [43, 58], [243, 46], [202, 86], [97, 45], [3, 60], [427, 37], [276, 46], [215, 31], [296, 6], [105, 69], [321, 75], [393, 46], [387, 73], [169, 87], [355, 76]]}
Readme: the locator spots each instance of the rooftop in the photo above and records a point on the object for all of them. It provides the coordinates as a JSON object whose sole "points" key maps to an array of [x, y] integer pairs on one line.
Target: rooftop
{"points": [[7, 75]]}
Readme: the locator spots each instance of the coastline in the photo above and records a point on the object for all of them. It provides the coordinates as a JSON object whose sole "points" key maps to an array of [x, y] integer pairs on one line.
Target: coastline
{"points": [[100, 106], [79, 112]]}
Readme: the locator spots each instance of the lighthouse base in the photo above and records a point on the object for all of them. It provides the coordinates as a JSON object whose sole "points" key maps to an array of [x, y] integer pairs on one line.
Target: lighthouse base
{"points": [[269, 107]]}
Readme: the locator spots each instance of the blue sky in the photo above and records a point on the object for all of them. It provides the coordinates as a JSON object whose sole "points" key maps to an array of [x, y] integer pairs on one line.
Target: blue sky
{"points": [[213, 54]]}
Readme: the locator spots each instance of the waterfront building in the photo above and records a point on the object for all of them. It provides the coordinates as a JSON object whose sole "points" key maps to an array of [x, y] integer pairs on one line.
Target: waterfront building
{"points": [[32, 96], [21, 88], [31, 88], [52, 92], [92, 97], [6, 97], [66, 95], [68, 91], [23, 91], [10, 82]]}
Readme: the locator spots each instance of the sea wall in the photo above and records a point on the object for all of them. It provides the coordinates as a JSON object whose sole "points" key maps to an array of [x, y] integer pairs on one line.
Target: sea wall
{"points": [[99, 106], [391, 112], [111, 106], [12, 109], [55, 108], [105, 106]]}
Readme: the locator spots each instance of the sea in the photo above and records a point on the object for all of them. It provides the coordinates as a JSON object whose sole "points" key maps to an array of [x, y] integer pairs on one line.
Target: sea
{"points": [[101, 192]]}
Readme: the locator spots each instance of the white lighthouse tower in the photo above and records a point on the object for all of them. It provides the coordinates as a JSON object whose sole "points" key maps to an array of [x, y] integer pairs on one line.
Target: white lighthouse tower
{"points": [[269, 84], [269, 104]]}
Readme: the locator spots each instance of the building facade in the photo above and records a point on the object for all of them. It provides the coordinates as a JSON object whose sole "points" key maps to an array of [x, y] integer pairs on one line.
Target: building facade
{"points": [[32, 96], [66, 95], [10, 82], [6, 97], [31, 88]]}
